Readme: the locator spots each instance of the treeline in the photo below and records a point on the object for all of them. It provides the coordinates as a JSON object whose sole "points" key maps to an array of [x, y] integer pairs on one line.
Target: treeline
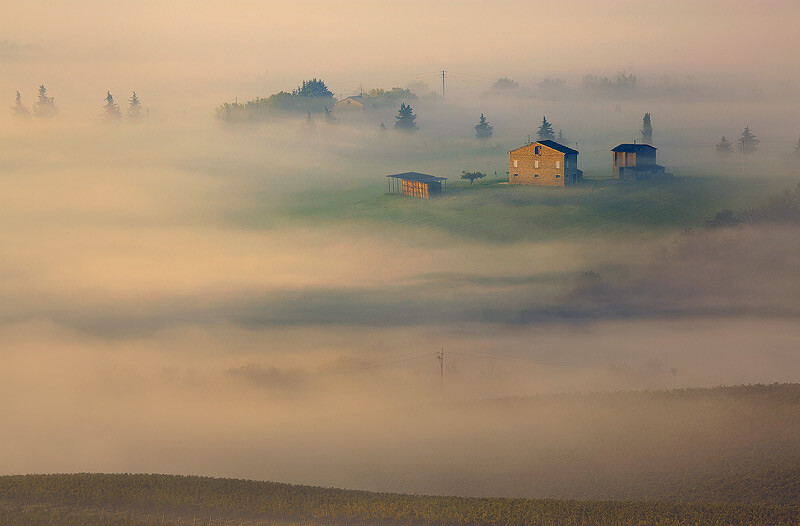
{"points": [[45, 107], [311, 97], [189, 497]]}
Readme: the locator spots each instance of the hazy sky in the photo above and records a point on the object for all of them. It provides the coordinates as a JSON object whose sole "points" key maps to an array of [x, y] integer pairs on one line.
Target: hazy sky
{"points": [[264, 46]]}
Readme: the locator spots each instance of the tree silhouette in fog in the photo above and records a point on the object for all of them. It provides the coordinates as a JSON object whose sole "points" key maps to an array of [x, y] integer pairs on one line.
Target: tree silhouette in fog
{"points": [[19, 109], [545, 131], [647, 129], [111, 110], [329, 118], [472, 176], [482, 130], [135, 112], [748, 142], [406, 120], [45, 106], [723, 146]]}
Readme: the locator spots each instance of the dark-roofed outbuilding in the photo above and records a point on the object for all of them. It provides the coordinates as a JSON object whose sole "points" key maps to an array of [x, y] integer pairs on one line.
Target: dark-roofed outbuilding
{"points": [[635, 161], [417, 184]]}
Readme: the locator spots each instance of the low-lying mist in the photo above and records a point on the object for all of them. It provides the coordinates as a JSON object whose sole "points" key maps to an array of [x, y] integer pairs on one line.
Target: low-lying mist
{"points": [[190, 297]]}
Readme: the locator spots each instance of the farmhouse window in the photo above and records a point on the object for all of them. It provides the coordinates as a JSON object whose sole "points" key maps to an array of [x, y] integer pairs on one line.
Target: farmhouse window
{"points": [[515, 163], [558, 164], [536, 164], [567, 164], [537, 150]]}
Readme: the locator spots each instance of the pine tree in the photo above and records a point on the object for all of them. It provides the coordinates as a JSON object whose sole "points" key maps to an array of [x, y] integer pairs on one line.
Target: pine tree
{"points": [[647, 129], [406, 120], [748, 142], [382, 128], [19, 109], [45, 106], [561, 138], [483, 131], [723, 146], [135, 108], [112, 113], [545, 131]]}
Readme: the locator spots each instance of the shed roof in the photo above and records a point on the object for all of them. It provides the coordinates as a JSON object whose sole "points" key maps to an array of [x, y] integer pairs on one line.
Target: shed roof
{"points": [[551, 144], [416, 176], [632, 148]]}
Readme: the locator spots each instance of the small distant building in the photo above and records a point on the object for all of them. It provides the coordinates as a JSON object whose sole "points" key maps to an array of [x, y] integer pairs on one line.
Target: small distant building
{"points": [[351, 103], [416, 184], [544, 163], [636, 161]]}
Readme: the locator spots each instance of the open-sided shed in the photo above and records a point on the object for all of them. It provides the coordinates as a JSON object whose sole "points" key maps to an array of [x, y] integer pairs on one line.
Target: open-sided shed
{"points": [[417, 184]]}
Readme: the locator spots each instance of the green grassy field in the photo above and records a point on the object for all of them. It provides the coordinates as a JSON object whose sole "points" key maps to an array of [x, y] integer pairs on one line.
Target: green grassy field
{"points": [[492, 211]]}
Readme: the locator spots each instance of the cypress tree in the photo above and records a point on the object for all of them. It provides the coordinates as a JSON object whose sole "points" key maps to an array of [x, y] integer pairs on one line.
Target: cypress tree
{"points": [[647, 129]]}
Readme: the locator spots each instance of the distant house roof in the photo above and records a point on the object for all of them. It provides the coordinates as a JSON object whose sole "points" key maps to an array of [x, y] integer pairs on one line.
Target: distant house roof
{"points": [[358, 100], [416, 176], [552, 144], [632, 148]]}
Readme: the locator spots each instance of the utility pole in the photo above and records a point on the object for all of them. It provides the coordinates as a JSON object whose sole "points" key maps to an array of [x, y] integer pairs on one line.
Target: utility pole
{"points": [[440, 357], [443, 72]]}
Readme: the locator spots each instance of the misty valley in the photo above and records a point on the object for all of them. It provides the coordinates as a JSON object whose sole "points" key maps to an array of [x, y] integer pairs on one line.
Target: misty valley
{"points": [[279, 295]]}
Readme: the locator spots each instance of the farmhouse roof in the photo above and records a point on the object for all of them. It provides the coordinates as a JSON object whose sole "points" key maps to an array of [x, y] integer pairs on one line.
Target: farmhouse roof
{"points": [[416, 176], [558, 147], [632, 148], [552, 144]]}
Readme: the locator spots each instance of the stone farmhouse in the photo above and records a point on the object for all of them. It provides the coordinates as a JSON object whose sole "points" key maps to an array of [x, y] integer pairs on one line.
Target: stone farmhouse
{"points": [[636, 161], [544, 163]]}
